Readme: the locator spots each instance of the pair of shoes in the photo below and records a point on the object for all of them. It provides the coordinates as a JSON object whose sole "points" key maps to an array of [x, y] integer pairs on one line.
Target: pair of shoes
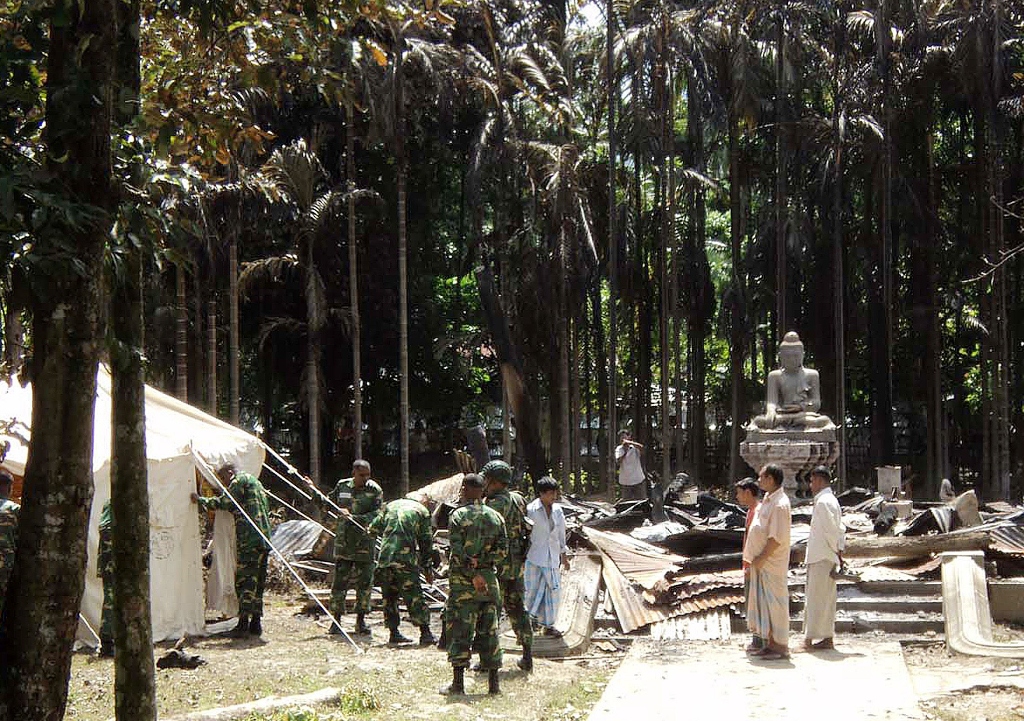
{"points": [[753, 649], [493, 687], [255, 626], [106, 649], [426, 637], [825, 644], [770, 654], [552, 632]]}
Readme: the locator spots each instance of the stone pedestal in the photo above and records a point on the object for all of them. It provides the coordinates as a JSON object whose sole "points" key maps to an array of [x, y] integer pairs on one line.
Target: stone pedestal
{"points": [[794, 451]]}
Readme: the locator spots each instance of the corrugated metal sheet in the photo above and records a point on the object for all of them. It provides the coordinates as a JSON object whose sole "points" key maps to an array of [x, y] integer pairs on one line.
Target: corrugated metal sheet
{"points": [[1009, 540], [296, 539]]}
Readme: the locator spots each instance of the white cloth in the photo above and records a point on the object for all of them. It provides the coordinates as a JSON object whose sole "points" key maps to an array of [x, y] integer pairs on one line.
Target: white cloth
{"points": [[820, 606], [631, 470], [828, 535], [547, 535]]}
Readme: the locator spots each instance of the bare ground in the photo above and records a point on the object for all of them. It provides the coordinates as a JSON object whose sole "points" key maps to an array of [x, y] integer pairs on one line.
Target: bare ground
{"points": [[296, 656]]}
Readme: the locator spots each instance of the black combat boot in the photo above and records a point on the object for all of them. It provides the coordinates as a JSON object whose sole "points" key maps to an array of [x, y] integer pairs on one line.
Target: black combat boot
{"points": [[492, 682], [396, 637], [106, 648], [255, 627], [361, 627], [526, 662], [442, 640], [242, 628], [426, 637], [458, 685]]}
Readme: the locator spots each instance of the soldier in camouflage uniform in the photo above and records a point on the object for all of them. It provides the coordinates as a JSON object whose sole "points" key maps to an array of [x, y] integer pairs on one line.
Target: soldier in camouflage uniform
{"points": [[105, 570], [512, 507], [478, 547], [360, 499], [406, 544], [251, 550], [8, 533]]}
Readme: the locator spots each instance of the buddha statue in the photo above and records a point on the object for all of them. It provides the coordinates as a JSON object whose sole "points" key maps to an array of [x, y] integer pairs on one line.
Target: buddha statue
{"points": [[794, 393]]}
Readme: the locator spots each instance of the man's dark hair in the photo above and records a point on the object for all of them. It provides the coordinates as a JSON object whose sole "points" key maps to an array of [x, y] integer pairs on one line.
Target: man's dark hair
{"points": [[474, 480], [822, 472], [6, 479], [547, 483], [624, 432], [749, 484], [225, 468], [775, 472]]}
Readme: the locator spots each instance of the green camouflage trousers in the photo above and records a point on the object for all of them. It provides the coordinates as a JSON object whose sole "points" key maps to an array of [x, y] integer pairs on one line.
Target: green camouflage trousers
{"points": [[472, 625], [107, 614], [512, 592], [344, 568], [402, 583], [250, 578]]}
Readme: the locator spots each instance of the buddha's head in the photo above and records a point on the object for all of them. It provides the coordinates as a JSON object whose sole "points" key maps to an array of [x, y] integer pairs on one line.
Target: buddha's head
{"points": [[791, 352]]}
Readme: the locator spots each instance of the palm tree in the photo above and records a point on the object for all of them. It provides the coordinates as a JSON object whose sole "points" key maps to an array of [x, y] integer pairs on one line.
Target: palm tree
{"points": [[301, 179]]}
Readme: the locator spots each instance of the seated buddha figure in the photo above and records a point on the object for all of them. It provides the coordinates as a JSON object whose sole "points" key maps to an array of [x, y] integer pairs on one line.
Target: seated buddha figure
{"points": [[794, 393]]}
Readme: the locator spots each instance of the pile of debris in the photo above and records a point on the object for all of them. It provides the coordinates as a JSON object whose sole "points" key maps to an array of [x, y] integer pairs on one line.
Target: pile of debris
{"points": [[671, 566]]}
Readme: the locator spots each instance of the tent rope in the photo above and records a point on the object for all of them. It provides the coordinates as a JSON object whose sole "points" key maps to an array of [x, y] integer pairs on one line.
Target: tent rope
{"points": [[207, 471]]}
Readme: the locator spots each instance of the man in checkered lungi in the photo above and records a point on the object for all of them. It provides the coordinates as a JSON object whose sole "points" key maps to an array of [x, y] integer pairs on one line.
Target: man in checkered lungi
{"points": [[548, 552]]}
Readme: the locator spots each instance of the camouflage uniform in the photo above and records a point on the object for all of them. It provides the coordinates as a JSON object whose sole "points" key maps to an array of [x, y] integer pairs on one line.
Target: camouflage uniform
{"points": [[353, 548], [406, 541], [8, 543], [252, 551], [512, 507], [105, 570], [478, 547]]}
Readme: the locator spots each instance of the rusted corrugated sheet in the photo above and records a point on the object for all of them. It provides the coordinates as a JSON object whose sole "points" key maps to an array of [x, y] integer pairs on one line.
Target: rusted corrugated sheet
{"points": [[640, 562], [1009, 540]]}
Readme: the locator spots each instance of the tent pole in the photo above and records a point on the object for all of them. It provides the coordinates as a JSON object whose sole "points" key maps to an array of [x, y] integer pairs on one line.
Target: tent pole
{"points": [[294, 487], [207, 471], [292, 508]]}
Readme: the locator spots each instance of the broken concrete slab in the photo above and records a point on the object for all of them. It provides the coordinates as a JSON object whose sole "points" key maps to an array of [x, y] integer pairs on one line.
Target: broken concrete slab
{"points": [[669, 679]]}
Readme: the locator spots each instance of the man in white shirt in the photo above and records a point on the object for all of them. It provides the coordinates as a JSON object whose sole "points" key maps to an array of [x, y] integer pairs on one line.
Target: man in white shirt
{"points": [[632, 481], [824, 552], [548, 551]]}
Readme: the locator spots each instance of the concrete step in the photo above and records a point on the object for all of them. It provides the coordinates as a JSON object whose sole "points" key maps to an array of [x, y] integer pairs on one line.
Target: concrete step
{"points": [[900, 588], [881, 604], [866, 622]]}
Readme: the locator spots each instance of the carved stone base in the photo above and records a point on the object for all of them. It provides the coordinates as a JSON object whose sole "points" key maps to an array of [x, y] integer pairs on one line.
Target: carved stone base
{"points": [[793, 455]]}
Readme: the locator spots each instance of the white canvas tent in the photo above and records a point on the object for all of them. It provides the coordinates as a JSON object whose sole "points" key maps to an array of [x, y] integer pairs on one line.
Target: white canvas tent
{"points": [[173, 431]]}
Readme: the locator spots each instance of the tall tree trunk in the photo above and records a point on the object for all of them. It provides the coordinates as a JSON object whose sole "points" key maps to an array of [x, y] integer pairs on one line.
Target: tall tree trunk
{"points": [[699, 302], [782, 319], [314, 324], [134, 672], [511, 364], [882, 421], [613, 250], [234, 366], [180, 335], [563, 323], [403, 280], [211, 355], [664, 85], [45, 592], [353, 284], [736, 340], [838, 204]]}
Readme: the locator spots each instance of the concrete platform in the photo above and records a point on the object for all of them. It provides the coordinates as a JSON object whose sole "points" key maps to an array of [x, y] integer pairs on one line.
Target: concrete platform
{"points": [[859, 681]]}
